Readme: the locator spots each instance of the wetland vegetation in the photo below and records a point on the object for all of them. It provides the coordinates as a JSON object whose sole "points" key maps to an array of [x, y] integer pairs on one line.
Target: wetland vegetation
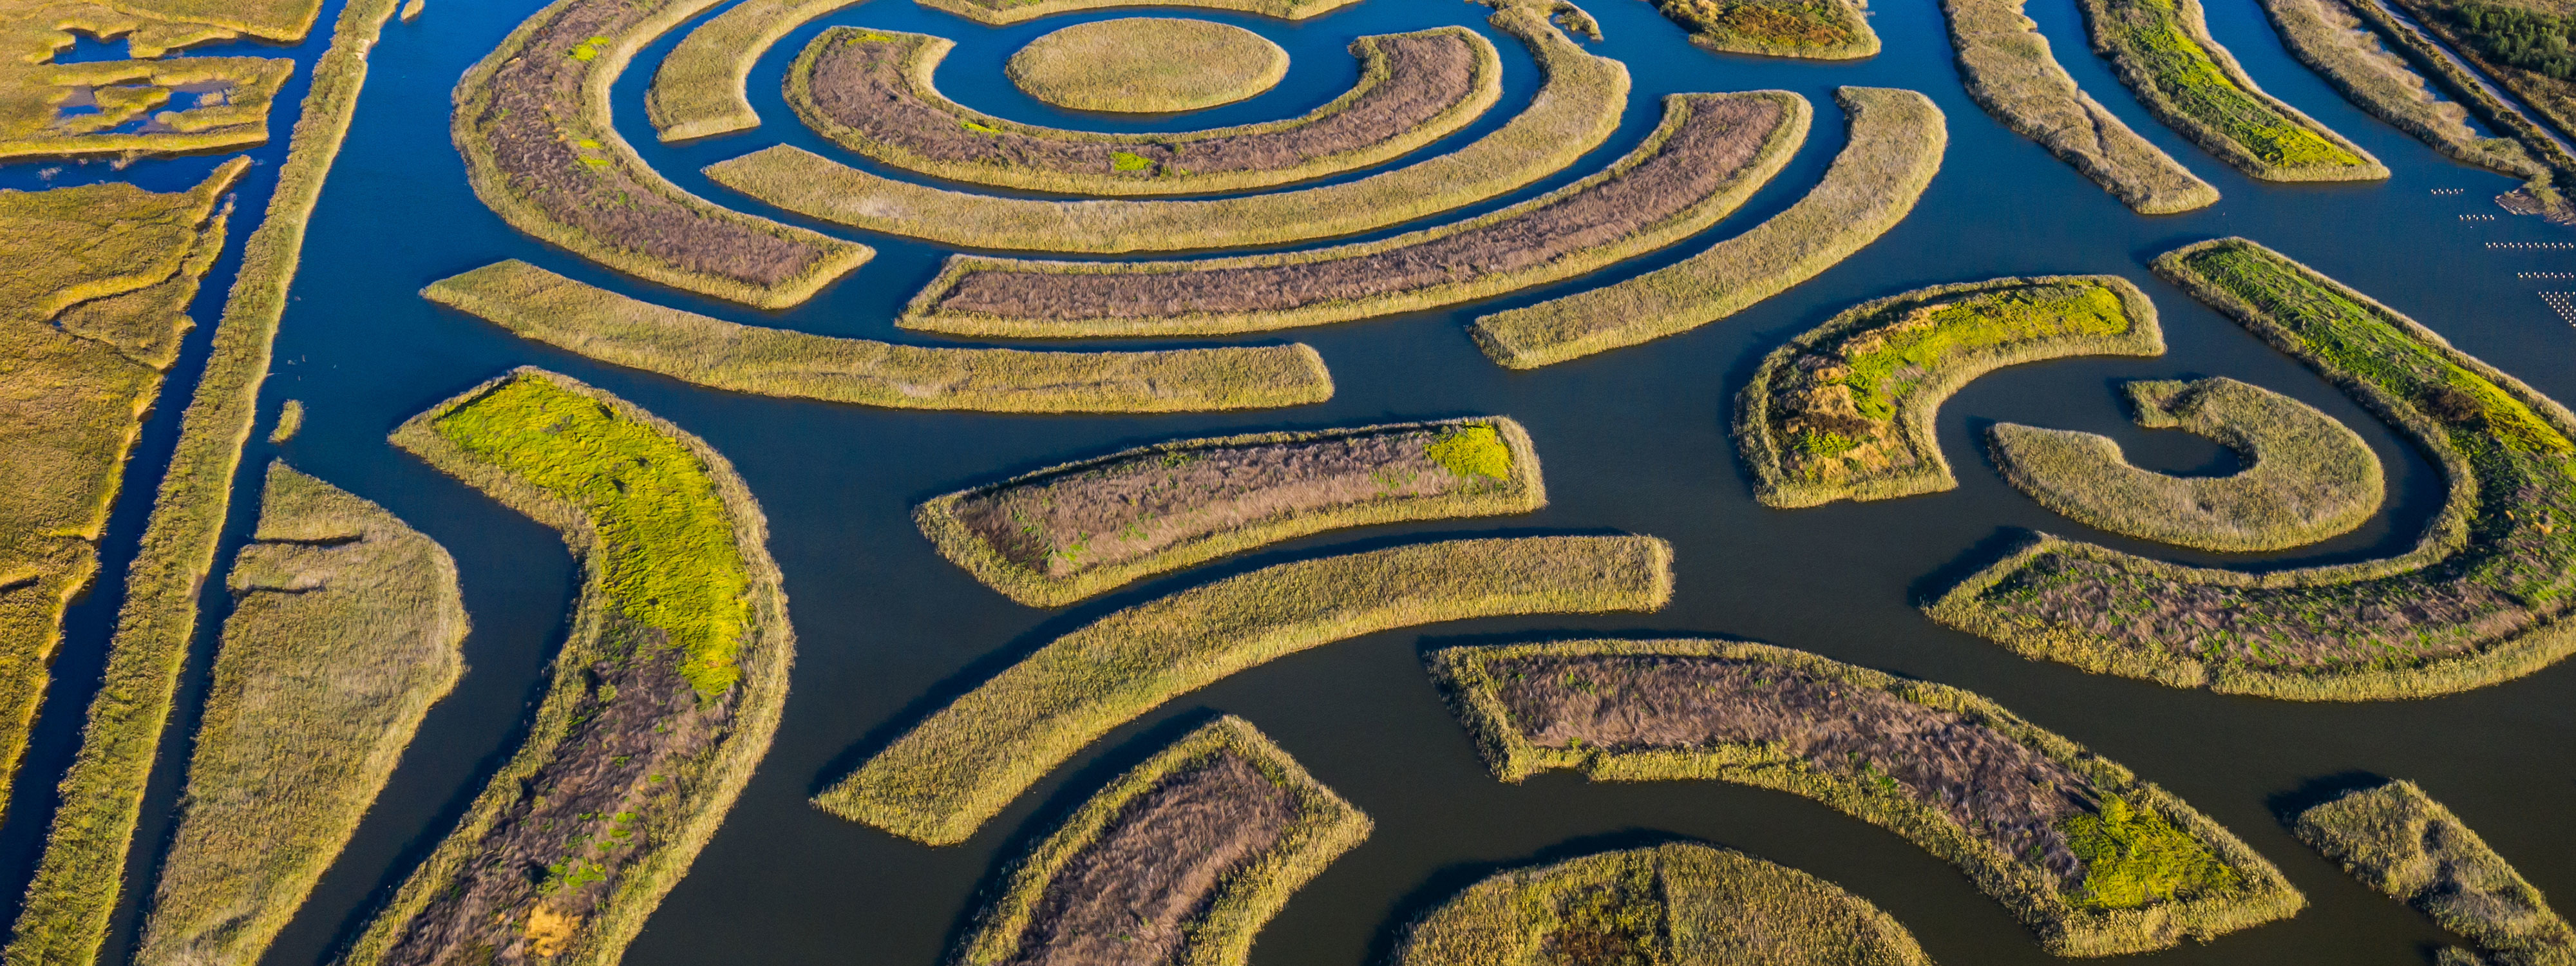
{"points": [[999, 12], [2342, 47], [2162, 49], [2005, 64], [702, 88], [1147, 65], [1810, 29], [2398, 840]]}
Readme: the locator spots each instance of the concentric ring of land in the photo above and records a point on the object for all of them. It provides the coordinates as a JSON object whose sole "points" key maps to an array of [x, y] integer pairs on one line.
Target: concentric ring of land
{"points": [[1146, 65]]}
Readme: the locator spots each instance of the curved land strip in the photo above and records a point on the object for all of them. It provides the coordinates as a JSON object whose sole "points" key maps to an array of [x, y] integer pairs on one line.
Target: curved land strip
{"points": [[1180, 860], [872, 92], [229, 109], [2488, 99], [1807, 29], [959, 767], [2006, 66], [2482, 599], [1147, 65], [702, 88], [1710, 154], [2095, 860], [2513, 44], [2400, 841], [2306, 478], [665, 695], [1061, 534], [1844, 411], [345, 629], [1576, 109], [537, 304], [1663, 906], [2332, 40], [2162, 49], [532, 120], [998, 12], [1894, 149]]}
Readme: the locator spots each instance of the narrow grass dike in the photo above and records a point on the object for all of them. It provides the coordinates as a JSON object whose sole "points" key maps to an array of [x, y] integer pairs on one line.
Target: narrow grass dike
{"points": [[2162, 49], [2398, 840], [2006, 66]]}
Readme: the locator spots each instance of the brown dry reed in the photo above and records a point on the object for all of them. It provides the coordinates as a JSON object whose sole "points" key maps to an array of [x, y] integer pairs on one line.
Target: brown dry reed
{"points": [[598, 324], [2398, 840], [1895, 146], [1000, 12], [702, 88], [2163, 51], [1146, 65], [2335, 42], [2006, 66], [959, 767]]}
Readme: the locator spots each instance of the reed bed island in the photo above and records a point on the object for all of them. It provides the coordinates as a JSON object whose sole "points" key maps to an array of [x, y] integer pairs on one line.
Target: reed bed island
{"points": [[2398, 840], [997, 13], [2342, 47], [1805, 29], [2481, 599], [2162, 49], [2006, 66], [2095, 860], [962, 765], [1147, 65], [231, 111], [2520, 45], [703, 88], [2458, 73]]}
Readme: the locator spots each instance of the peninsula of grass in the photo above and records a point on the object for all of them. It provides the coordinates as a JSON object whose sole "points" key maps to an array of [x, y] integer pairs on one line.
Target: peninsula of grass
{"points": [[2481, 599], [1844, 411], [1710, 154], [2005, 63], [1061, 534], [598, 324], [872, 92], [665, 695], [1576, 108], [2522, 45], [963, 764], [1894, 149], [1147, 65], [1669, 905], [1181, 860], [2162, 49], [532, 121], [703, 88], [2339, 46], [345, 629], [233, 97], [2306, 476], [996, 13], [2398, 840], [2093, 859], [1805, 29]]}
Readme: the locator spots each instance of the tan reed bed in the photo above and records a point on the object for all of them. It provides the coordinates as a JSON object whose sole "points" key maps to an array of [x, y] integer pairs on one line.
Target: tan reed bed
{"points": [[2398, 840], [999, 12], [31, 124], [1146, 65], [702, 88], [2554, 97], [2006, 66], [2335, 42], [1805, 29], [2162, 49], [2424, 54]]}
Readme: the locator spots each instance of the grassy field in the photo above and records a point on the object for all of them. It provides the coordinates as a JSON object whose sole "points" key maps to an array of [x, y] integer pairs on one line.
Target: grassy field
{"points": [[999, 12], [1807, 29], [2400, 841], [959, 767], [1576, 109], [2306, 476], [2006, 66], [2162, 49], [1147, 65], [2481, 599], [1894, 149], [1233, 515], [1673, 904], [701, 88], [345, 629], [32, 125], [537, 304], [279, 21], [2126, 867], [2338, 44], [2548, 193], [1211, 903], [1844, 411]]}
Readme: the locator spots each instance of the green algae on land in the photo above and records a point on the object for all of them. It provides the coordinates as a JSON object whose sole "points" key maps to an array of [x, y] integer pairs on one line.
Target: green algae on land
{"points": [[2005, 63], [2398, 840], [2162, 49]]}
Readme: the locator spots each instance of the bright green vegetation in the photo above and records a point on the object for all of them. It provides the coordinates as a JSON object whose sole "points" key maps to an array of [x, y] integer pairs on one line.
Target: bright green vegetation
{"points": [[1894, 149], [2306, 478], [1844, 411], [2332, 40], [2163, 51], [2006, 66], [2515, 36], [2480, 600], [1679, 903], [962, 765], [2400, 841], [2094, 859], [345, 629], [75, 888], [612, 328], [1810, 29], [1136, 863], [32, 97], [664, 697], [1576, 109], [1147, 65], [999, 12], [701, 89], [1062, 534]]}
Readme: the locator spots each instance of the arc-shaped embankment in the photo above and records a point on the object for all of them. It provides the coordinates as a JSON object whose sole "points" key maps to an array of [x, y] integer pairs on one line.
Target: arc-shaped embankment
{"points": [[2005, 63], [703, 88], [2162, 49], [2398, 840]]}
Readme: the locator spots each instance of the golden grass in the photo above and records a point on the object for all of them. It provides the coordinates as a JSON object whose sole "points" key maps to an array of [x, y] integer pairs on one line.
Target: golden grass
{"points": [[1672, 904], [2006, 66], [541, 305], [290, 417], [1147, 65], [2332, 40], [1575, 110], [283, 21], [1520, 489], [345, 629], [1221, 931], [701, 89], [1895, 147], [960, 766], [32, 97], [2307, 477], [999, 12], [1806, 29], [2162, 49], [2537, 144], [2066, 925], [2398, 840]]}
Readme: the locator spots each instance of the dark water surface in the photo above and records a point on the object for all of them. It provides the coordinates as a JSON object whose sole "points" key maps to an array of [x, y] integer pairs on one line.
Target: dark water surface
{"points": [[1633, 440]]}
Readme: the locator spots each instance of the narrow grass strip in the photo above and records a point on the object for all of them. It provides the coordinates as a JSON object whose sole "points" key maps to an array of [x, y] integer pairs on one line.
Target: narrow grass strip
{"points": [[1804, 29], [345, 629], [1065, 896], [126, 91], [76, 884], [2334, 42], [1575, 110], [2468, 89], [2095, 860], [603, 325], [942, 780], [2398, 840], [1001, 12], [1897, 138], [703, 88], [2005, 63], [2162, 49]]}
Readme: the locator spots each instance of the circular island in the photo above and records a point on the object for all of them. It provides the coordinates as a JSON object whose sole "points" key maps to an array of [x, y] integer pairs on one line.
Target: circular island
{"points": [[1147, 65]]}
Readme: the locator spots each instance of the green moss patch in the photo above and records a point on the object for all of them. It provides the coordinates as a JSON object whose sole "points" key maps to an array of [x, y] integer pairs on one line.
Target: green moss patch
{"points": [[2133, 858]]}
